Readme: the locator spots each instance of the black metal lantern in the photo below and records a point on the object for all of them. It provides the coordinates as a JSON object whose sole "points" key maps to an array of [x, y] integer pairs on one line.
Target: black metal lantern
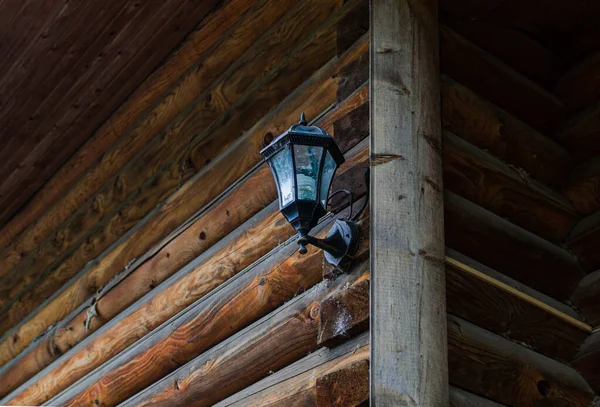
{"points": [[303, 161]]}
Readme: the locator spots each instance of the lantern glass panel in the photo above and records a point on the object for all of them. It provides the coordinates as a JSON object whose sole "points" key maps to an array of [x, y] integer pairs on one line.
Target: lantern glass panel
{"points": [[308, 161], [329, 168], [282, 166]]}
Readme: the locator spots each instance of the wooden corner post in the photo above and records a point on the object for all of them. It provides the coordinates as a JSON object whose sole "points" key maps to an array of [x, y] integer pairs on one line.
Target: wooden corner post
{"points": [[408, 311]]}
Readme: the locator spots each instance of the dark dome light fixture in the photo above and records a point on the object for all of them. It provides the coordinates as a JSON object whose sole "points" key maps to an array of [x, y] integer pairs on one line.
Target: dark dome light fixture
{"points": [[303, 161]]}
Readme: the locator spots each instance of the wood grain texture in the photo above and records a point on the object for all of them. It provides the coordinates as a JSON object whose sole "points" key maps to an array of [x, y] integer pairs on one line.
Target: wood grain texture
{"points": [[493, 129], [512, 314], [82, 169], [503, 86], [507, 248], [155, 171], [489, 182], [581, 135], [508, 373], [579, 88], [296, 384], [347, 386], [588, 360], [585, 298], [270, 344], [406, 207], [212, 224], [584, 184], [198, 156]]}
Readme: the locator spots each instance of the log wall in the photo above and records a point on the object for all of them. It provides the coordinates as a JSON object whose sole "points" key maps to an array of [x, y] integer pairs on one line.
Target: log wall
{"points": [[165, 274]]}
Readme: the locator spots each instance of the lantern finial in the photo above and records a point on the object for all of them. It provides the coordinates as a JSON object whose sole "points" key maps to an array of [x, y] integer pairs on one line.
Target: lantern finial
{"points": [[302, 121]]}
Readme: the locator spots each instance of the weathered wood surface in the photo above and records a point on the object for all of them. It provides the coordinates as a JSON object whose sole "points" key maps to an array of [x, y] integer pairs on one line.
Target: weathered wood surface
{"points": [[166, 164], [406, 207], [123, 122], [461, 398], [585, 298], [62, 84], [581, 134], [183, 202], [238, 205], [296, 384], [579, 88], [491, 128], [503, 86], [182, 288], [347, 386], [582, 189], [525, 54], [508, 373], [583, 242], [255, 292], [490, 183], [270, 344], [509, 249], [588, 360], [510, 313]]}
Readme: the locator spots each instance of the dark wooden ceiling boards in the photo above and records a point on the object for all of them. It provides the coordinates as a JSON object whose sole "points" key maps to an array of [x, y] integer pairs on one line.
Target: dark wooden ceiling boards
{"points": [[65, 66]]}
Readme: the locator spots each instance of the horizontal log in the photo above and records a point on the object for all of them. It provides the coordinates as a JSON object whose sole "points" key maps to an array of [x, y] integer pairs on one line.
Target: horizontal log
{"points": [[347, 386], [461, 398], [255, 292], [585, 298], [505, 247], [238, 89], [488, 182], [270, 344], [296, 384], [588, 360], [579, 88], [503, 371], [525, 55], [510, 313], [583, 242], [582, 187], [184, 201], [219, 263], [491, 128], [493, 79], [581, 135], [132, 126]]}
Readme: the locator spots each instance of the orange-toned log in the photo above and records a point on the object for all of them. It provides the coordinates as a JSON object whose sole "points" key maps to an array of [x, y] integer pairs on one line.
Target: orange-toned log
{"points": [[187, 199], [240, 249], [255, 292], [246, 199], [281, 338], [165, 163]]}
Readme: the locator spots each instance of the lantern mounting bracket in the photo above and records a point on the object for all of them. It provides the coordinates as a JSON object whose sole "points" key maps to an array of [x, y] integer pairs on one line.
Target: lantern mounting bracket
{"points": [[341, 241]]}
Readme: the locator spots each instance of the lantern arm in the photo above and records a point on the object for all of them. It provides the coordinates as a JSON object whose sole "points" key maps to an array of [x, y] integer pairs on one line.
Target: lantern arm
{"points": [[341, 241]]}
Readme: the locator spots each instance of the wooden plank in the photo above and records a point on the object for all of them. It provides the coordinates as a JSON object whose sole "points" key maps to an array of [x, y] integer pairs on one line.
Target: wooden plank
{"points": [[270, 344], [583, 242], [509, 249], [492, 184], [493, 79], [508, 373], [255, 292], [406, 207], [191, 51], [198, 156], [579, 88], [347, 386], [491, 128], [581, 135], [296, 384], [461, 398], [585, 298], [212, 224], [230, 91], [583, 186], [588, 360], [510, 313]]}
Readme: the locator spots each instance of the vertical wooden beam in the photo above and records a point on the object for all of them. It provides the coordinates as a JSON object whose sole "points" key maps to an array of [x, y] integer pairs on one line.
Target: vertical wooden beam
{"points": [[408, 326]]}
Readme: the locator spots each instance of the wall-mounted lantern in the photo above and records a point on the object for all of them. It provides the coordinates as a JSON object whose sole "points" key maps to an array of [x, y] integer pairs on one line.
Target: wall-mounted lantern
{"points": [[303, 161]]}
